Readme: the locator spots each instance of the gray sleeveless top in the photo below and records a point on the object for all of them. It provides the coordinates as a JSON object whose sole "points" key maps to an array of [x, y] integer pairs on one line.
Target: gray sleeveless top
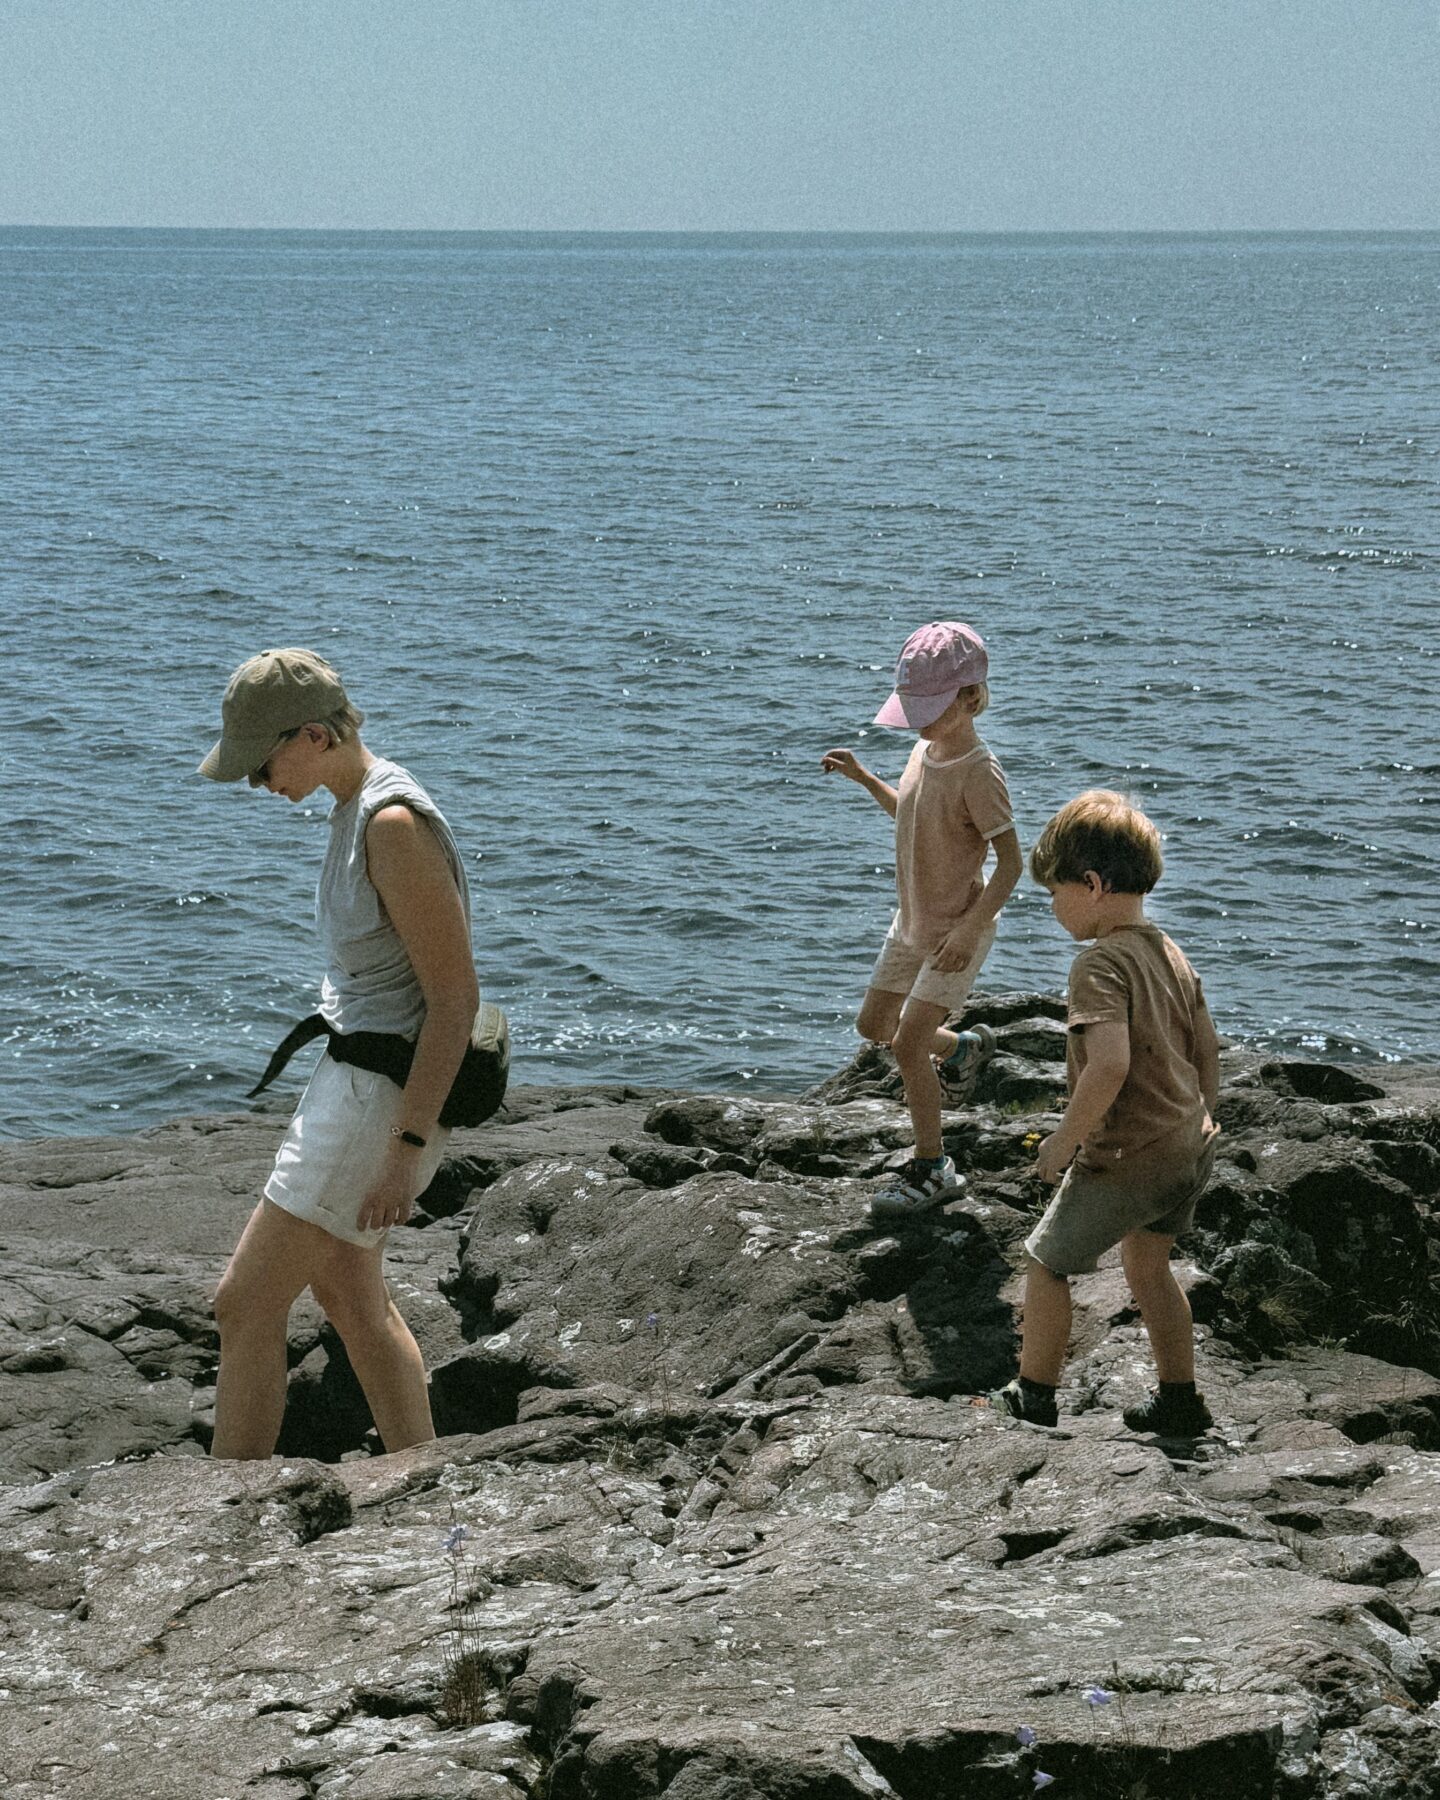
{"points": [[369, 983]]}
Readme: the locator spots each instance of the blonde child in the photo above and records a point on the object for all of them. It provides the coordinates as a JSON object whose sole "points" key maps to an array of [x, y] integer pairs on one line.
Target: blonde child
{"points": [[950, 809], [1137, 1142]]}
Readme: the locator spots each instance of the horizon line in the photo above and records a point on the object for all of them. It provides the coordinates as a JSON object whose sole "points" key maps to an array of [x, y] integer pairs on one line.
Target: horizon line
{"points": [[761, 231]]}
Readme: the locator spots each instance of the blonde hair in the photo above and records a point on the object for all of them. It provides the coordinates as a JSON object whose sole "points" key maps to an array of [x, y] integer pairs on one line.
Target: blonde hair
{"points": [[343, 725], [1103, 831]]}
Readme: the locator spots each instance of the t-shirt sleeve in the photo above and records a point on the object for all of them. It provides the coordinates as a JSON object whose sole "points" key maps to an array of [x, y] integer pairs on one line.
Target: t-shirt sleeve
{"points": [[988, 799], [1099, 993], [1190, 981]]}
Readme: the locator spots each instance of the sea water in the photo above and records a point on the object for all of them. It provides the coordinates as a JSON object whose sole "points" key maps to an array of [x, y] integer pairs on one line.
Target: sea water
{"points": [[612, 537]]}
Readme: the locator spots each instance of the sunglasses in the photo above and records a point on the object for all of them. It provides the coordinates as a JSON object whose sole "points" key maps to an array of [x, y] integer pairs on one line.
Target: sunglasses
{"points": [[262, 774]]}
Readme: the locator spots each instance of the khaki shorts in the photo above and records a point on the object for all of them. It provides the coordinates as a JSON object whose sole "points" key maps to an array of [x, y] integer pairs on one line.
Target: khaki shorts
{"points": [[1153, 1189], [335, 1145], [901, 969]]}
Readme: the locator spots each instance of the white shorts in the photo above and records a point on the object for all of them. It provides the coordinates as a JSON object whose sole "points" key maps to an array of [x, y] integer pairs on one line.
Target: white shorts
{"points": [[335, 1146], [902, 969]]}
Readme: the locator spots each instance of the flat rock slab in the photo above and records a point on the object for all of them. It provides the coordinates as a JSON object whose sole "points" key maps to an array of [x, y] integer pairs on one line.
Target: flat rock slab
{"points": [[269, 1622], [738, 1525]]}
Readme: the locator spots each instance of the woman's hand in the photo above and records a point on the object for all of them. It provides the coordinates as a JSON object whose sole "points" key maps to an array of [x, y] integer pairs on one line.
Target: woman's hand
{"points": [[390, 1199]]}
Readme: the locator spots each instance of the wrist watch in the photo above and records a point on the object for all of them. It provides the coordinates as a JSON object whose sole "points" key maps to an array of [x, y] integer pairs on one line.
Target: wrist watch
{"points": [[408, 1137]]}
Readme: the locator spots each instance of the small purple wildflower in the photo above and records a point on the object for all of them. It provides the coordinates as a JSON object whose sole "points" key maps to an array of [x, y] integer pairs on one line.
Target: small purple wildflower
{"points": [[651, 1321], [1097, 1696], [1025, 1737], [1040, 1779], [455, 1539]]}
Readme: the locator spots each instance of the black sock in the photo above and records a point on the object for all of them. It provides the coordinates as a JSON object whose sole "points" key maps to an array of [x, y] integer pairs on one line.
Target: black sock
{"points": [[1178, 1390], [1038, 1388]]}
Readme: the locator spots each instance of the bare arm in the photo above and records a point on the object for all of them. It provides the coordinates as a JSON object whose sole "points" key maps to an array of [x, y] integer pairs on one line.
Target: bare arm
{"points": [[846, 763], [412, 876], [1107, 1063]]}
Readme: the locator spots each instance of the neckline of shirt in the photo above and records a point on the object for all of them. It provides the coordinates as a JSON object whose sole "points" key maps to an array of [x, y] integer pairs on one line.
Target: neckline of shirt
{"points": [[951, 762], [340, 806]]}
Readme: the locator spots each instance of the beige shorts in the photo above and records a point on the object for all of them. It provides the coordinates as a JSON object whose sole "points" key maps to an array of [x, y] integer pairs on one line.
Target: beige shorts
{"points": [[1153, 1189], [335, 1145], [901, 969]]}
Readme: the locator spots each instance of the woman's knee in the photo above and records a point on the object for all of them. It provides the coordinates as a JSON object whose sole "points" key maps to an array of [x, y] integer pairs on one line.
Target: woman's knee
{"points": [[357, 1314], [245, 1305]]}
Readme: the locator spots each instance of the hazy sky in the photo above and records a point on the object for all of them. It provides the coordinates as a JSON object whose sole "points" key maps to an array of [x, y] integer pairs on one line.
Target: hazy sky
{"points": [[722, 114]]}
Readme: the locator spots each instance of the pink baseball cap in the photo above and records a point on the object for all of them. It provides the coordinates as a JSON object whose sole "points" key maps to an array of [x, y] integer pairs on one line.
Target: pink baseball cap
{"points": [[937, 661]]}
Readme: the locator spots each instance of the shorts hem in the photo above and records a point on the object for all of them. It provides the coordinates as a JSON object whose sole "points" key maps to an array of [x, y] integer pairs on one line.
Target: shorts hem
{"points": [[1085, 1268], [312, 1215], [907, 973]]}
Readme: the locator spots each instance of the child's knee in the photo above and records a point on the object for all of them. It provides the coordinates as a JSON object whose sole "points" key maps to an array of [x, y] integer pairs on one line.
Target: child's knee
{"points": [[1039, 1272], [878, 1016], [912, 1042], [1145, 1257]]}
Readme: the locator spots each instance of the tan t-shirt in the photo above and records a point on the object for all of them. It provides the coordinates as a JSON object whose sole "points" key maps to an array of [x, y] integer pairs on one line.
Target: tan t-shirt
{"points": [[948, 813], [1137, 977]]}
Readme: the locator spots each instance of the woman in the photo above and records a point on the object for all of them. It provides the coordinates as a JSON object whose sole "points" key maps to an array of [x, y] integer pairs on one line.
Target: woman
{"points": [[393, 908]]}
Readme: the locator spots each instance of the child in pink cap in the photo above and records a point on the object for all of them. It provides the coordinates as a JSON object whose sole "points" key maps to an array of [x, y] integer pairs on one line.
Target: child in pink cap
{"points": [[950, 809]]}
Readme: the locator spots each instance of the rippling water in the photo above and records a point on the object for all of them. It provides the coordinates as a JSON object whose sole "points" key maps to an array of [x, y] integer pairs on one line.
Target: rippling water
{"points": [[612, 537]]}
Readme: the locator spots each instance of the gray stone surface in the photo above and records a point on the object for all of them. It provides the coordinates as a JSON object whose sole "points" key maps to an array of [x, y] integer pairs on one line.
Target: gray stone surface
{"points": [[740, 1524]]}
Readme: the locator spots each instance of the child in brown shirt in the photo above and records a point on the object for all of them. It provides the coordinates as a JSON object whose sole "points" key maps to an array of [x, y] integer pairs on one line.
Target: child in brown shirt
{"points": [[1137, 1141], [950, 808]]}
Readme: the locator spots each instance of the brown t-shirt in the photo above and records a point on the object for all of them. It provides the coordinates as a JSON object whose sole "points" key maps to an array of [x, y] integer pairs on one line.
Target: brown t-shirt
{"points": [[947, 814], [1137, 977]]}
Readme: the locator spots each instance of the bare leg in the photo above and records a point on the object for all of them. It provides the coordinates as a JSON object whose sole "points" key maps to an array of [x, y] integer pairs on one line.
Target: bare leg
{"points": [[265, 1276], [1162, 1303], [913, 1044], [1045, 1335], [879, 1015], [382, 1349]]}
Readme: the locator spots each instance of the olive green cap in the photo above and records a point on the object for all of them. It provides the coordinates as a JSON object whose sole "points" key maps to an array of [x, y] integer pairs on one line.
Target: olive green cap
{"points": [[275, 692]]}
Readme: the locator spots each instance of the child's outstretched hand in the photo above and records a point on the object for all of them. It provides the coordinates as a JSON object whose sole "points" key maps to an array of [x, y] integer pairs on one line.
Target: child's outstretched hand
{"points": [[843, 762]]}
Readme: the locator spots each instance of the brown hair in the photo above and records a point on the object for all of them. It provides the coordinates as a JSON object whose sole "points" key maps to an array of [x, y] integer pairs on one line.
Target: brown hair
{"points": [[1102, 831]]}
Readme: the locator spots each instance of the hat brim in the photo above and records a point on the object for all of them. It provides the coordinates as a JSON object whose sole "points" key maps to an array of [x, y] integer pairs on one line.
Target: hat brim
{"points": [[232, 759], [911, 712]]}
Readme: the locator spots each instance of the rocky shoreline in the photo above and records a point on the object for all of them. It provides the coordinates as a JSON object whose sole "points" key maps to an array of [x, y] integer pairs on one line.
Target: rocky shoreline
{"points": [[735, 1525]]}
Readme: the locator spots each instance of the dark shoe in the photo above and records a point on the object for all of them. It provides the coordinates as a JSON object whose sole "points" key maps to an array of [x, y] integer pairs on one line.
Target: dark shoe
{"points": [[957, 1074], [1170, 1415], [1023, 1404], [917, 1189]]}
